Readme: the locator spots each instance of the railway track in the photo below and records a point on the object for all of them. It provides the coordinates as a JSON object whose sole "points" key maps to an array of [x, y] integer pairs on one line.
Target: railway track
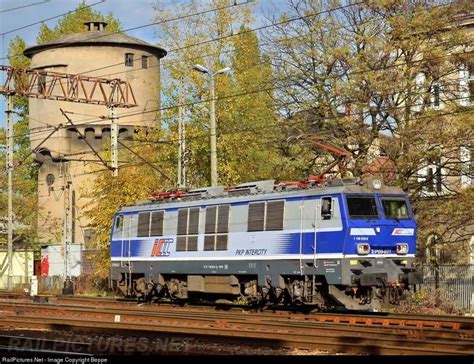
{"points": [[367, 318], [354, 334]]}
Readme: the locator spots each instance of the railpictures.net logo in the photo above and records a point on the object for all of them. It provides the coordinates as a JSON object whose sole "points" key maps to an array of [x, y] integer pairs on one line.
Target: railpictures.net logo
{"points": [[67, 359], [99, 345]]}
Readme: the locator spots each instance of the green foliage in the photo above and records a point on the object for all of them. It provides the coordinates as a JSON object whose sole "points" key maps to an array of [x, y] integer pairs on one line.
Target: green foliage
{"points": [[25, 211], [363, 79], [242, 301], [447, 220], [248, 131], [136, 181], [17, 59], [74, 23]]}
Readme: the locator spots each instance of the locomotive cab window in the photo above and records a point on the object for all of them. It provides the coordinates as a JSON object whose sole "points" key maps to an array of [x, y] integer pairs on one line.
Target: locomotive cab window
{"points": [[362, 207], [326, 208], [395, 208], [118, 225]]}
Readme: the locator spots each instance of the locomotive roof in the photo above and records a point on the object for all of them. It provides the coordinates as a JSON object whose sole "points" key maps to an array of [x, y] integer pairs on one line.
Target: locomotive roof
{"points": [[333, 187]]}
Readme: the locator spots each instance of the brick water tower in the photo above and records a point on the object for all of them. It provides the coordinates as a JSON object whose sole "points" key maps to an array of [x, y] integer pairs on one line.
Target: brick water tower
{"points": [[65, 157]]}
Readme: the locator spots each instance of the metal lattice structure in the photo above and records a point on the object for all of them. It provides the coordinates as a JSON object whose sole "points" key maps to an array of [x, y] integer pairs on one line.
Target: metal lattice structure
{"points": [[67, 87]]}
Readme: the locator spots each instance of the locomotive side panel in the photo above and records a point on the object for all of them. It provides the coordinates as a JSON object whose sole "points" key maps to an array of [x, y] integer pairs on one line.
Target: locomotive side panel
{"points": [[283, 247]]}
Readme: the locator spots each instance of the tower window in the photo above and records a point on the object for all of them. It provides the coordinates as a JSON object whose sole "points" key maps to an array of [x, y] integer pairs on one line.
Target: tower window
{"points": [[144, 62], [129, 59]]}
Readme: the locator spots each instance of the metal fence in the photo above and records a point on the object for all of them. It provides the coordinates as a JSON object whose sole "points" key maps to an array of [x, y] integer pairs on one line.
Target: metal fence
{"points": [[17, 282], [456, 281]]}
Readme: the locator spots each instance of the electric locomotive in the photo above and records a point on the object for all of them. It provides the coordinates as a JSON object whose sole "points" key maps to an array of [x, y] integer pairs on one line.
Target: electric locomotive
{"points": [[344, 242]]}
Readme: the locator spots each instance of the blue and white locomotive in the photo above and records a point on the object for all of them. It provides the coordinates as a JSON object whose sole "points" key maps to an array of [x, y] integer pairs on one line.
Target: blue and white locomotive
{"points": [[346, 242]]}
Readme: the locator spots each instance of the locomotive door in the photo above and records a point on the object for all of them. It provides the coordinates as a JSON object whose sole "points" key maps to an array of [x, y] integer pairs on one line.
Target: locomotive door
{"points": [[126, 247], [125, 241], [301, 236], [317, 218]]}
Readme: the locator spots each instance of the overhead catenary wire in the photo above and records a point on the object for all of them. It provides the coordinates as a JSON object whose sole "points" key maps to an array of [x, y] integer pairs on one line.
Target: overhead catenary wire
{"points": [[248, 30], [102, 118], [330, 117], [323, 133], [129, 29], [153, 110], [201, 101], [314, 14], [25, 6], [42, 21]]}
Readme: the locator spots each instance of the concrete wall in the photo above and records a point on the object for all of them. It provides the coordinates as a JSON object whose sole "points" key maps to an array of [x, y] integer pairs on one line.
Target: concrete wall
{"points": [[22, 268], [56, 259]]}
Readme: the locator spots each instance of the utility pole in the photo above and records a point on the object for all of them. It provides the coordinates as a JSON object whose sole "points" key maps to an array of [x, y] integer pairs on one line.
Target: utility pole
{"points": [[10, 188], [212, 124], [212, 127], [182, 140], [67, 223], [114, 141]]}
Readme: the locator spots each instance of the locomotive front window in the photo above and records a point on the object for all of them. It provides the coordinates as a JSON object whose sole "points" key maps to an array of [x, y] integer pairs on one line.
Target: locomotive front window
{"points": [[118, 225], [395, 208], [362, 207], [326, 208]]}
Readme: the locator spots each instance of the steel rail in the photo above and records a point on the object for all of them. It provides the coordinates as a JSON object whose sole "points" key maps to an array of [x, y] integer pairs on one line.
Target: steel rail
{"points": [[325, 339], [437, 340], [389, 320]]}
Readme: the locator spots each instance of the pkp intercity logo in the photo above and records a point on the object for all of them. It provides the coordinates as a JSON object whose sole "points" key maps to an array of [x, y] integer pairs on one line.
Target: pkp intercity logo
{"points": [[161, 248]]}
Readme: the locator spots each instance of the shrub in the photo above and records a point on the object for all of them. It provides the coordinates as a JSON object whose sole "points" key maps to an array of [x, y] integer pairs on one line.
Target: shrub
{"points": [[428, 302], [89, 284]]}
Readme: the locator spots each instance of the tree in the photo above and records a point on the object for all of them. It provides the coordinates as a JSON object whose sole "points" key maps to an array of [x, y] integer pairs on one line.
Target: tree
{"points": [[247, 132], [74, 23], [25, 172], [370, 78], [136, 181]]}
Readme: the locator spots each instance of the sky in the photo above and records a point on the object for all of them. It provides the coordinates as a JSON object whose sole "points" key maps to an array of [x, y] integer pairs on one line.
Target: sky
{"points": [[16, 14], [131, 13]]}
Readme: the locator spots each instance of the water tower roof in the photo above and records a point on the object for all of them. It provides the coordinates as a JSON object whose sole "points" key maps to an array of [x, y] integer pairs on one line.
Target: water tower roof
{"points": [[96, 36]]}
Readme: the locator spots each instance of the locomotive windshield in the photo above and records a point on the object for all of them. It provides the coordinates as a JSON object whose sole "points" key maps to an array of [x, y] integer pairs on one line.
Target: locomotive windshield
{"points": [[362, 207], [395, 208]]}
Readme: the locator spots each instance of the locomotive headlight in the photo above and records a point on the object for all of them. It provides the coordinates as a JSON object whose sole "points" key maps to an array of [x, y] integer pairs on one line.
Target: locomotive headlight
{"points": [[402, 248], [363, 249]]}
